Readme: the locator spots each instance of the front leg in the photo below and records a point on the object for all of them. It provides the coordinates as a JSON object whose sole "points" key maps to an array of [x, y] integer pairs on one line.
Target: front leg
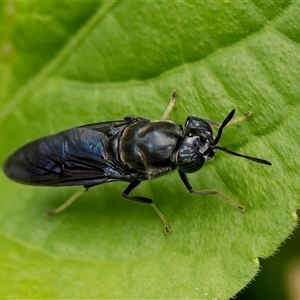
{"points": [[236, 120], [187, 184], [133, 184]]}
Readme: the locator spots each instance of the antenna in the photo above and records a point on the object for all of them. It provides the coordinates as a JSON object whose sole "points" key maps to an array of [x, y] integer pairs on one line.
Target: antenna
{"points": [[224, 123], [218, 137], [255, 159]]}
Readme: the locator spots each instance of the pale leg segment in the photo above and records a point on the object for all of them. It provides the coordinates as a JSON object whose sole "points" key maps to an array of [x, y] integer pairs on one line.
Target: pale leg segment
{"points": [[234, 121], [170, 106], [67, 203]]}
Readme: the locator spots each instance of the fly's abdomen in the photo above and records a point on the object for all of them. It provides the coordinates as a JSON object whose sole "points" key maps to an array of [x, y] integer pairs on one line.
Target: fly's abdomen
{"points": [[32, 163], [66, 158]]}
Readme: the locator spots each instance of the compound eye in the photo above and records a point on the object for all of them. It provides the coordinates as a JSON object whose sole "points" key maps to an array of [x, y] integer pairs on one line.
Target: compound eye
{"points": [[198, 123], [189, 160]]}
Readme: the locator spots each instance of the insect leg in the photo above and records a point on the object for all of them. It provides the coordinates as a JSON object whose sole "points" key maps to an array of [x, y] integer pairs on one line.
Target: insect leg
{"points": [[67, 203], [133, 184], [170, 106], [187, 184], [236, 120]]}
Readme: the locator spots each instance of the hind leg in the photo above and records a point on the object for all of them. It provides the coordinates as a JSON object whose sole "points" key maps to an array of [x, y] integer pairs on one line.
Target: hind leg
{"points": [[67, 203]]}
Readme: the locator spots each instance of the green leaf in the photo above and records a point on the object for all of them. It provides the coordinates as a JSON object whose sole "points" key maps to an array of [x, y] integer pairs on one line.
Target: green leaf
{"points": [[66, 64]]}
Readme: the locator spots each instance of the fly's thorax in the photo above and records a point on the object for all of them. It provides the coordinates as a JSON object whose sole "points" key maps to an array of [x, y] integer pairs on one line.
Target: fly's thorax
{"points": [[149, 147]]}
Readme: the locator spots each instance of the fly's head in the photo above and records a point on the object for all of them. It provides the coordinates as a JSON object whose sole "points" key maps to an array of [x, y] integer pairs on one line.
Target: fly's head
{"points": [[196, 148], [199, 145]]}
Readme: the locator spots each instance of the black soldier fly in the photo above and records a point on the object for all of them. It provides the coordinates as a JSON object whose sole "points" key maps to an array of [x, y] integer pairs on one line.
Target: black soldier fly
{"points": [[132, 150]]}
